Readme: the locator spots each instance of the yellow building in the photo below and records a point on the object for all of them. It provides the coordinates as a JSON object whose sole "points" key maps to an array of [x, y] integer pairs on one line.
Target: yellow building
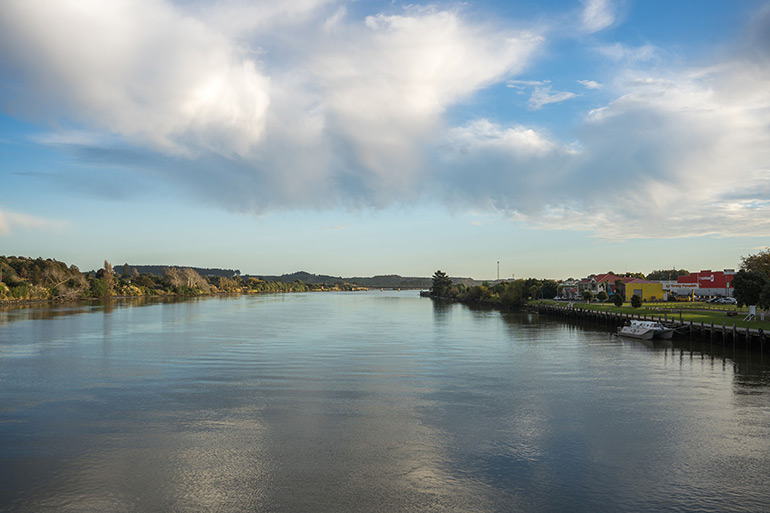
{"points": [[647, 290]]}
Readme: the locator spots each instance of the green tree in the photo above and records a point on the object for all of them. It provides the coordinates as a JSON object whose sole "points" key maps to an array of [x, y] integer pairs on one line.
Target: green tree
{"points": [[588, 295], [550, 289], [441, 284], [748, 286], [602, 296], [99, 288], [764, 298], [667, 274], [636, 301], [617, 299], [513, 295], [759, 262]]}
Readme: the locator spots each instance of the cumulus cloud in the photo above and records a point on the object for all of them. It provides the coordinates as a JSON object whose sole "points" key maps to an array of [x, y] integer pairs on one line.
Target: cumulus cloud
{"points": [[140, 68], [292, 102], [684, 154], [255, 106]]}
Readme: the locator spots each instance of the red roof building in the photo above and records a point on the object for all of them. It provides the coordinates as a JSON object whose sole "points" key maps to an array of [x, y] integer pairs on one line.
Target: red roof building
{"points": [[709, 279]]}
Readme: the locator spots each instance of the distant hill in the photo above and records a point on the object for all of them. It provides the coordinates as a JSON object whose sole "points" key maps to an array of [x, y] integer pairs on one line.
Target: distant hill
{"points": [[389, 281]]}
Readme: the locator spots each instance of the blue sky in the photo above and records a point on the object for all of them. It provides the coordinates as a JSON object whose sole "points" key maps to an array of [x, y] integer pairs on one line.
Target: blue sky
{"points": [[353, 138]]}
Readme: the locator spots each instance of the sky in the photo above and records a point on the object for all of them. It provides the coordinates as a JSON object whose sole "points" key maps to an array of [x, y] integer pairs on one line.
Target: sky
{"points": [[353, 138]]}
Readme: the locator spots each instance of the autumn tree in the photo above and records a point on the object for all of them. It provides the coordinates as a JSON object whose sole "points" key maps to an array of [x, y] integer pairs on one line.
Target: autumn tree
{"points": [[109, 276]]}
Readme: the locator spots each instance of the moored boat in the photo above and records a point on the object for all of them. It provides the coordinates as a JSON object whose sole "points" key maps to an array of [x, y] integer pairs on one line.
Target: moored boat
{"points": [[646, 330], [633, 331], [659, 329]]}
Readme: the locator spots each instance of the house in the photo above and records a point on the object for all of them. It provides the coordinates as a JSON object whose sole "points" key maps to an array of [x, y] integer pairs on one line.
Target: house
{"points": [[645, 289], [603, 283]]}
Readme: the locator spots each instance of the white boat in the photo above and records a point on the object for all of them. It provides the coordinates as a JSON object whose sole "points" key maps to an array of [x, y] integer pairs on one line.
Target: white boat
{"points": [[659, 329], [646, 330], [640, 332]]}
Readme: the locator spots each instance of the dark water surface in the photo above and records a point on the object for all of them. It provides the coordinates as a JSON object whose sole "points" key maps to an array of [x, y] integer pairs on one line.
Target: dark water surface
{"points": [[357, 402]]}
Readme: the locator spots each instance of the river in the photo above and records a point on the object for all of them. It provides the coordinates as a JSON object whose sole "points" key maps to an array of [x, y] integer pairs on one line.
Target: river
{"points": [[367, 401]]}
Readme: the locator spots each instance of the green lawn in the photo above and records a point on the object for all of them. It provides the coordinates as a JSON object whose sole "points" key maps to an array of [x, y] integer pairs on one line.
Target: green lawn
{"points": [[695, 312]]}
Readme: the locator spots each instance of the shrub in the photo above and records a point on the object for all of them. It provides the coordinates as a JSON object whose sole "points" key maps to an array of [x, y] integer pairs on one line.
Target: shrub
{"points": [[636, 301], [618, 300]]}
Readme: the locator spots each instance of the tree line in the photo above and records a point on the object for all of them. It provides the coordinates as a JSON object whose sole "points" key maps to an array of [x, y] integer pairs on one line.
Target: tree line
{"points": [[751, 286], [23, 278], [506, 293]]}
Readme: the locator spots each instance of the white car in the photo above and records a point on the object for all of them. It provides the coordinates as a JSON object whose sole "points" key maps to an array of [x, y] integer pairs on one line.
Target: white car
{"points": [[727, 301]]}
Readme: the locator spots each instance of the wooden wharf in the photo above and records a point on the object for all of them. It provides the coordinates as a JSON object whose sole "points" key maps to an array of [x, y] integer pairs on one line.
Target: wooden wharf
{"points": [[747, 338]]}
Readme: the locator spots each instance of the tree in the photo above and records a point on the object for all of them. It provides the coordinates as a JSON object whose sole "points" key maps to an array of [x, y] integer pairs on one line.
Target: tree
{"points": [[588, 295], [667, 274], [513, 295], [441, 284], [748, 286], [620, 289], [109, 275], [764, 298], [549, 290], [602, 296], [636, 301], [617, 299], [759, 262]]}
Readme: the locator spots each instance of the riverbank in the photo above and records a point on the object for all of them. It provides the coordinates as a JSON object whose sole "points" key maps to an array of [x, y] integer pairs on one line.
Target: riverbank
{"points": [[727, 325], [44, 301]]}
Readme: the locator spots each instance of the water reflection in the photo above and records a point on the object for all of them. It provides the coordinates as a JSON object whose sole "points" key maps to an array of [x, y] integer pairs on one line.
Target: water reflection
{"points": [[369, 402], [39, 311]]}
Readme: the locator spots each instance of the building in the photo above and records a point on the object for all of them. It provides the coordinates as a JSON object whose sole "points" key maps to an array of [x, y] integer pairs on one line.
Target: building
{"points": [[646, 290], [602, 283], [706, 283]]}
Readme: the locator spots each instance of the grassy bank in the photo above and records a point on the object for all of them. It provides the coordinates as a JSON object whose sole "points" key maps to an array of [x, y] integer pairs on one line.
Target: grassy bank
{"points": [[705, 313]]}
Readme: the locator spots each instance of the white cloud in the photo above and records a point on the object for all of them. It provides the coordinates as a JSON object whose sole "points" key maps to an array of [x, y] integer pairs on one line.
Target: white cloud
{"points": [[543, 96], [597, 15], [629, 54], [520, 84], [590, 84], [10, 221], [266, 105], [293, 101], [141, 69], [683, 154]]}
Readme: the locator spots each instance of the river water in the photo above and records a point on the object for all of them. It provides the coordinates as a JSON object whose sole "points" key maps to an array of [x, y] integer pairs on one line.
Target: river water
{"points": [[377, 401]]}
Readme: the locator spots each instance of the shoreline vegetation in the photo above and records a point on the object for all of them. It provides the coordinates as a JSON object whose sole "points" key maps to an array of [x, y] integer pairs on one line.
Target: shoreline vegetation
{"points": [[27, 280], [525, 293]]}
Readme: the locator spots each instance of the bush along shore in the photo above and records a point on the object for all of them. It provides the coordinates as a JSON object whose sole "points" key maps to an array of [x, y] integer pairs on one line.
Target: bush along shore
{"points": [[506, 294], [696, 318], [25, 279]]}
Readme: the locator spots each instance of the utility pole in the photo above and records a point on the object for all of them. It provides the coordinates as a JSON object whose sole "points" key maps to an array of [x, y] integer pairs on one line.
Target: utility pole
{"points": [[498, 270]]}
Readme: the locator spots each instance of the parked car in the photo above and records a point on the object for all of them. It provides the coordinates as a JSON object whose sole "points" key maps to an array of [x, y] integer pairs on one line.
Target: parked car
{"points": [[728, 301]]}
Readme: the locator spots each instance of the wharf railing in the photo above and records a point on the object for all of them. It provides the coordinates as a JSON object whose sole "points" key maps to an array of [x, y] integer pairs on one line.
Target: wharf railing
{"points": [[746, 337]]}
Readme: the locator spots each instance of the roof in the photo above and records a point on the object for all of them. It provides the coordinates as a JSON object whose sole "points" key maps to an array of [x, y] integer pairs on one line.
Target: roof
{"points": [[607, 277]]}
